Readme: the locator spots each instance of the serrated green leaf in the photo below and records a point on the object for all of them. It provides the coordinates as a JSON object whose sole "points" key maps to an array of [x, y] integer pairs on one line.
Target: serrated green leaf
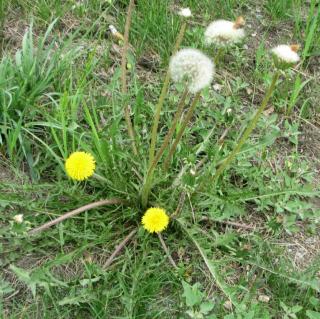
{"points": [[313, 314], [206, 307], [192, 294]]}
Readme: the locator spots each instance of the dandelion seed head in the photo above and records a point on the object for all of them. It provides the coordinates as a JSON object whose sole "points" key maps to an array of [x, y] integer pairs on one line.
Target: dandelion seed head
{"points": [[113, 29], [18, 218], [192, 66], [185, 12], [223, 32], [286, 54], [80, 166], [115, 33], [155, 220]]}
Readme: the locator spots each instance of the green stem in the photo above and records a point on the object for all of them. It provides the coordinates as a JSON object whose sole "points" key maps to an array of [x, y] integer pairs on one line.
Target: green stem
{"points": [[181, 131], [147, 185], [249, 128], [218, 56], [162, 97], [124, 88]]}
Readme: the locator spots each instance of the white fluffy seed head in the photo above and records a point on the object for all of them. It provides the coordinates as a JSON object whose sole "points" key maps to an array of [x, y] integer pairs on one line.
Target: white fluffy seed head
{"points": [[18, 218], [286, 54], [113, 29], [223, 32], [185, 12], [192, 66]]}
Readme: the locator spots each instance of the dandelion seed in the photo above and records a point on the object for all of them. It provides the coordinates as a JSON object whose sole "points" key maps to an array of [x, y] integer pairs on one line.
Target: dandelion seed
{"points": [[155, 220], [185, 12], [80, 165], [217, 87], [223, 33], [264, 298], [112, 29], [192, 66], [285, 55], [115, 33], [18, 218]]}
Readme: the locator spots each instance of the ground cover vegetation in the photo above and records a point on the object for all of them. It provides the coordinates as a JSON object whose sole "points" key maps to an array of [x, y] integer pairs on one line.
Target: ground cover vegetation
{"points": [[157, 162]]}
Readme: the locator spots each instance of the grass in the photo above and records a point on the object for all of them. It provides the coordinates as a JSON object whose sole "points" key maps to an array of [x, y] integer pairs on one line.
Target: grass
{"points": [[246, 249]]}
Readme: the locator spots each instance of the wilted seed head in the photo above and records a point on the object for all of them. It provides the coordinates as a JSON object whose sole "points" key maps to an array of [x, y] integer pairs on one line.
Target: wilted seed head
{"points": [[295, 47], [240, 22], [115, 33], [223, 32], [185, 12], [192, 66], [285, 55]]}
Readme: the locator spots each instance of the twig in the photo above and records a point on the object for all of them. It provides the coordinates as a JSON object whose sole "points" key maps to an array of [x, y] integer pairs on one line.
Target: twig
{"points": [[224, 134], [199, 165], [165, 248], [235, 224], [119, 248], [180, 205], [226, 222], [12, 295], [74, 212], [192, 210], [124, 88]]}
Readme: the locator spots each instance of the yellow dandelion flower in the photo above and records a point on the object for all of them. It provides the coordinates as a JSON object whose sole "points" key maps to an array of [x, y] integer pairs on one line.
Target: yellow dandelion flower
{"points": [[80, 165], [155, 220]]}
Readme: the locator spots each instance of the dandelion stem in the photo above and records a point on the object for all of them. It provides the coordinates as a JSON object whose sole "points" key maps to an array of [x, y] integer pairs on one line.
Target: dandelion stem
{"points": [[165, 248], [119, 248], [163, 96], [172, 128], [124, 88], [112, 201], [147, 185], [249, 128], [218, 56], [181, 131]]}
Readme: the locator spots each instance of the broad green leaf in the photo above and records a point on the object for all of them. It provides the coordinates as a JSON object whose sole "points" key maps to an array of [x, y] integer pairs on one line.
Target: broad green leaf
{"points": [[313, 314], [192, 294]]}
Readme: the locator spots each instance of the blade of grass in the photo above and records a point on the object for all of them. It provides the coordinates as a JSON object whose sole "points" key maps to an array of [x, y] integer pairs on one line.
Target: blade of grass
{"points": [[313, 21], [214, 272]]}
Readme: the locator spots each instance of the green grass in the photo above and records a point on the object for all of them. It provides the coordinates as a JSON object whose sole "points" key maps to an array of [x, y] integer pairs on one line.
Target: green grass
{"points": [[60, 92]]}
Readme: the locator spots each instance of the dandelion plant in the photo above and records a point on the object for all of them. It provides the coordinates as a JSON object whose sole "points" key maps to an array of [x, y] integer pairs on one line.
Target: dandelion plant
{"points": [[124, 174], [195, 70], [223, 33]]}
